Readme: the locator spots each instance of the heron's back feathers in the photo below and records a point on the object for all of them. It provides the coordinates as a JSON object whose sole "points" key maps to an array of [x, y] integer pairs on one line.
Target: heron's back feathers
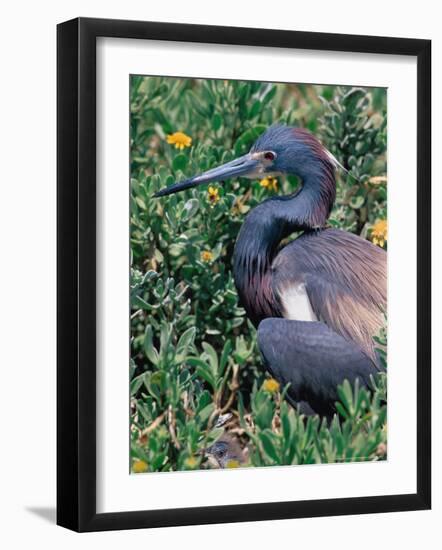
{"points": [[345, 279]]}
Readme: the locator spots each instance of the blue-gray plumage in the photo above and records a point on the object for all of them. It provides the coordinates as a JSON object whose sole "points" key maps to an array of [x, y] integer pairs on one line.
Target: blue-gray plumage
{"points": [[313, 359], [318, 301]]}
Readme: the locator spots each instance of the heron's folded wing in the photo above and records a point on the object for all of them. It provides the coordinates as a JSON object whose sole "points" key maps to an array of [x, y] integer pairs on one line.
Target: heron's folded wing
{"points": [[352, 317], [313, 360]]}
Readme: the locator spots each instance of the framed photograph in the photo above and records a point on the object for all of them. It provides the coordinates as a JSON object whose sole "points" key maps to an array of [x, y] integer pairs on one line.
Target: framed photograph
{"points": [[243, 274]]}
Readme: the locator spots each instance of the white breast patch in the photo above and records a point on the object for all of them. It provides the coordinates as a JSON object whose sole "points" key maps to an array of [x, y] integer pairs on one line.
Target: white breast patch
{"points": [[296, 304]]}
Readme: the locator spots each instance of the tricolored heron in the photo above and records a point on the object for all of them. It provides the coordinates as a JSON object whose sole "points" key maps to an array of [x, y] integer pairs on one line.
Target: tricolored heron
{"points": [[318, 301]]}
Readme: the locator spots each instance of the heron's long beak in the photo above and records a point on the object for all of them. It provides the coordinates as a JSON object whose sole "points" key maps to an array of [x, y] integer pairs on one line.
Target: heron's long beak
{"points": [[246, 166]]}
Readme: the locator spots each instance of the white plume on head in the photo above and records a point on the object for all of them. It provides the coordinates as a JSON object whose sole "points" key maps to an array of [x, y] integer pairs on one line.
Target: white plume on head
{"points": [[337, 164], [334, 160]]}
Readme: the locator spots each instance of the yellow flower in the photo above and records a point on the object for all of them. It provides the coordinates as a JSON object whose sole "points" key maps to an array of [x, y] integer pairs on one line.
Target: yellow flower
{"points": [[139, 466], [206, 256], [271, 385], [232, 463], [191, 462], [180, 140], [379, 233], [269, 183], [213, 195]]}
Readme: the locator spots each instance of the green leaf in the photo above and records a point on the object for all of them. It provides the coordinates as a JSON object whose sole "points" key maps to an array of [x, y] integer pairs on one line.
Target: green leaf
{"points": [[225, 356], [150, 350], [211, 355], [203, 370], [268, 446], [285, 422], [186, 339], [190, 209], [247, 138], [135, 385], [180, 162], [254, 110], [357, 201], [206, 412], [217, 122]]}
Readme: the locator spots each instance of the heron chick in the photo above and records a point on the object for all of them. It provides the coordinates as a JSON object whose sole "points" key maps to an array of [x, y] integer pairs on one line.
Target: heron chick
{"points": [[225, 453]]}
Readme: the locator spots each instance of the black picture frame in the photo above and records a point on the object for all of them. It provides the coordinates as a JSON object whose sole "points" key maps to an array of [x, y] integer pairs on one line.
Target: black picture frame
{"points": [[76, 273]]}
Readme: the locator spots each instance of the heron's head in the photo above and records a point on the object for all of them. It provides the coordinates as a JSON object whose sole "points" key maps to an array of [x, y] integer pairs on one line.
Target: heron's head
{"points": [[279, 150], [223, 451]]}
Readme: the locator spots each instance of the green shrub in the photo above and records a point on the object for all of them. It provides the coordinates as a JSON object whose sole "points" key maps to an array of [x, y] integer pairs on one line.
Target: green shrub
{"points": [[193, 352]]}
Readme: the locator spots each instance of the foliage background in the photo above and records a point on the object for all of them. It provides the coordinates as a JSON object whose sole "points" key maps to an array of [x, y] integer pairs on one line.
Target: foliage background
{"points": [[193, 352]]}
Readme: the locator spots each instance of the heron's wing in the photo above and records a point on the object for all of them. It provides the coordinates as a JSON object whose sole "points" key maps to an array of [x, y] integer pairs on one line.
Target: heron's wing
{"points": [[344, 278], [313, 359], [354, 319]]}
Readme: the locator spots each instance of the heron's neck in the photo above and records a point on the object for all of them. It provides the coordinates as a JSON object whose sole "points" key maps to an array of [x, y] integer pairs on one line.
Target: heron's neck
{"points": [[263, 230], [310, 207]]}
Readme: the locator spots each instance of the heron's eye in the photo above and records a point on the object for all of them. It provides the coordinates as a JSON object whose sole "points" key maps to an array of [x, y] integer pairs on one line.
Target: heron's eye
{"points": [[269, 155]]}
